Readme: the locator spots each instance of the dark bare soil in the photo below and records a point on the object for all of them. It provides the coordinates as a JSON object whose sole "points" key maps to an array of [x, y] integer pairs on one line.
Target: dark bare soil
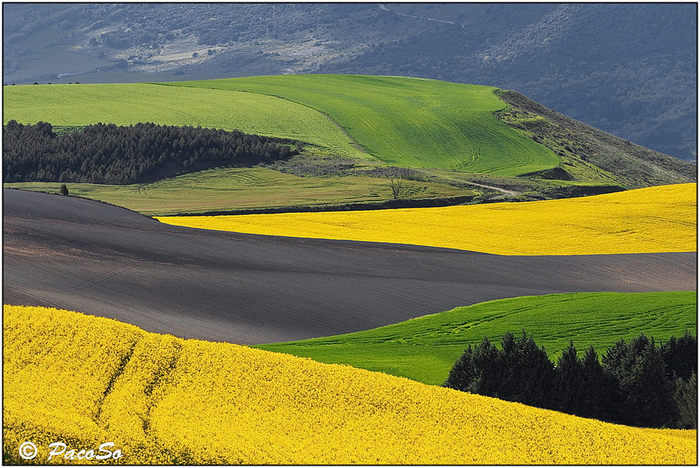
{"points": [[95, 258]]}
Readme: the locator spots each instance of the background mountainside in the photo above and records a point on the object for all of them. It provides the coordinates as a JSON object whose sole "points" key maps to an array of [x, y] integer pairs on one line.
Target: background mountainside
{"points": [[628, 69]]}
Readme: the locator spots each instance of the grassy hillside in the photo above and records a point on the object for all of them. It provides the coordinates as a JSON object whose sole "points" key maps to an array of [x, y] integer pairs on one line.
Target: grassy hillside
{"points": [[410, 122], [447, 131], [588, 153], [425, 348], [124, 104], [401, 121], [655, 219], [244, 188], [162, 400]]}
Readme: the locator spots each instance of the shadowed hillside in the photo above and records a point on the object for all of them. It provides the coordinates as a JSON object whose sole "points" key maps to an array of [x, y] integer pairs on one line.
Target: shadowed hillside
{"points": [[582, 148]]}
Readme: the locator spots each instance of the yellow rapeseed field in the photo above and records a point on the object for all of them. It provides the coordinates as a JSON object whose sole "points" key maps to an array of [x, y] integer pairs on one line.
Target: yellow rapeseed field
{"points": [[655, 219], [86, 381]]}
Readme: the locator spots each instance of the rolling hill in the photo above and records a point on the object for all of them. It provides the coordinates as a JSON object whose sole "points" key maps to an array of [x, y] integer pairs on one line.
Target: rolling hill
{"points": [[410, 122], [654, 219], [400, 121], [391, 121], [124, 104], [426, 348], [163, 400], [88, 256]]}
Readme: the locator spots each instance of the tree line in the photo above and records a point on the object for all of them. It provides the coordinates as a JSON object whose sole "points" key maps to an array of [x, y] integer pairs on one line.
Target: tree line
{"points": [[635, 383], [111, 154]]}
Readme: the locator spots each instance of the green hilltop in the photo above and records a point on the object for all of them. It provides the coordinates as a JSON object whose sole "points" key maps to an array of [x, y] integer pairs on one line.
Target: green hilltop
{"points": [[409, 122], [406, 122], [497, 143]]}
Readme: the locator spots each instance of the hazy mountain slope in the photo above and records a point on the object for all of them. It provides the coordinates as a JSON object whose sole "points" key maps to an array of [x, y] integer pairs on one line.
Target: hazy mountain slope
{"points": [[628, 69]]}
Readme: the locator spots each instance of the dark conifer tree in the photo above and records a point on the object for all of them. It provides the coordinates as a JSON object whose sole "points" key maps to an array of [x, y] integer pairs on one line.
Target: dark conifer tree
{"points": [[488, 368], [568, 382], [648, 390], [680, 356], [533, 372], [462, 373], [615, 359], [686, 399], [600, 395], [641, 372]]}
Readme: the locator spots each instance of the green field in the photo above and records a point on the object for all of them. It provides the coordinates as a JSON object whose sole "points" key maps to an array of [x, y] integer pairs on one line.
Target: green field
{"points": [[244, 188], [408, 122], [425, 348], [125, 104], [411, 122]]}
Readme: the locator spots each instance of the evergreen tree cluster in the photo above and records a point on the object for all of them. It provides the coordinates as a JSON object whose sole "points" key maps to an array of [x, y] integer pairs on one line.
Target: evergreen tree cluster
{"points": [[635, 383], [111, 154]]}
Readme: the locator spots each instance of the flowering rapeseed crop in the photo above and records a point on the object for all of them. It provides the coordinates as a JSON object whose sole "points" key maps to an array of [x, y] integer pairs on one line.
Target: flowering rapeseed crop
{"points": [[655, 219], [85, 380]]}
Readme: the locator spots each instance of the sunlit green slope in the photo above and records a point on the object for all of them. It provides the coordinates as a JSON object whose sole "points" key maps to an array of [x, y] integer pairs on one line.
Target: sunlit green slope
{"points": [[410, 121], [124, 104], [401, 121], [425, 348]]}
